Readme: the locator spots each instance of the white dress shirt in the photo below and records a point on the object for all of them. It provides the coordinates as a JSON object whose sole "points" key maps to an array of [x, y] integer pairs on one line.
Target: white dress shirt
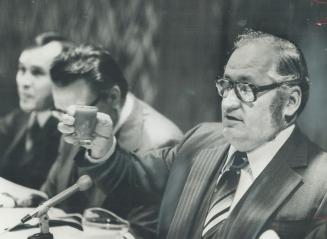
{"points": [[258, 158], [125, 111]]}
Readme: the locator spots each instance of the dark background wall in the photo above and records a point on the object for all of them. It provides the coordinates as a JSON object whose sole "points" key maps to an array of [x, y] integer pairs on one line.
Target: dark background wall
{"points": [[126, 27], [171, 50]]}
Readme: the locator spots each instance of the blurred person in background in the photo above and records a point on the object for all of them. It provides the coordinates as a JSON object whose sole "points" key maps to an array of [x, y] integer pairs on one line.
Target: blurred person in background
{"points": [[87, 75], [28, 136]]}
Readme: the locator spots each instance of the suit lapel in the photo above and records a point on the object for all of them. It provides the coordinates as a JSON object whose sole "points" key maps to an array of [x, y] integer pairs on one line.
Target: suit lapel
{"points": [[19, 136], [204, 165], [273, 186]]}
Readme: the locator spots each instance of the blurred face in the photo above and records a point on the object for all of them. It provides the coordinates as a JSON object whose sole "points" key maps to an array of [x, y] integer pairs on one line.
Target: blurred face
{"points": [[249, 125], [76, 93], [33, 77], [81, 93]]}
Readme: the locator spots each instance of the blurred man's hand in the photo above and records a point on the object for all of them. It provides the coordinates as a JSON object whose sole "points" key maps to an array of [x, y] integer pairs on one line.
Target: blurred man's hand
{"points": [[100, 142], [269, 234], [32, 200]]}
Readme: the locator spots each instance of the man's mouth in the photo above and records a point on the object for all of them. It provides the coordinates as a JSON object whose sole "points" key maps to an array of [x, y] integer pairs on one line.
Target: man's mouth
{"points": [[232, 118], [26, 95]]}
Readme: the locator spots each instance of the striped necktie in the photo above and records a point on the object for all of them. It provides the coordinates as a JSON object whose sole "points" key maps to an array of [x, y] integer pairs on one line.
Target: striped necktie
{"points": [[224, 192]]}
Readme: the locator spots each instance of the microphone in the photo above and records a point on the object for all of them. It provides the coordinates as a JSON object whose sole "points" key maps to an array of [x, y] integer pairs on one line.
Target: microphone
{"points": [[82, 184]]}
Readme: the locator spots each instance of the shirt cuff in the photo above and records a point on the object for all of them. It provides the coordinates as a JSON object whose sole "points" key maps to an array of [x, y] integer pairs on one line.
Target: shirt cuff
{"points": [[105, 157]]}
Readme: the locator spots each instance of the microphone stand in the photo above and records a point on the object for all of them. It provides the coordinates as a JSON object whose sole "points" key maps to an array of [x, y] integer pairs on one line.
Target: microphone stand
{"points": [[41, 212], [44, 226]]}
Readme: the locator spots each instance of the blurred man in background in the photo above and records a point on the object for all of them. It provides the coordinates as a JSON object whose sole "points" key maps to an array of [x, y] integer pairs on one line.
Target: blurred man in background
{"points": [[28, 136], [90, 76]]}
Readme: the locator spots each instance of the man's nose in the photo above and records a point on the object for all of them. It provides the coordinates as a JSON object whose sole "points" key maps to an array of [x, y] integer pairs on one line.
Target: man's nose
{"points": [[26, 80], [230, 100]]}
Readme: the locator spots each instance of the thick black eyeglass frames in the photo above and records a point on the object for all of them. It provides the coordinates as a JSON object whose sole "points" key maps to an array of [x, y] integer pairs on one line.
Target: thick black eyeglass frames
{"points": [[247, 92]]}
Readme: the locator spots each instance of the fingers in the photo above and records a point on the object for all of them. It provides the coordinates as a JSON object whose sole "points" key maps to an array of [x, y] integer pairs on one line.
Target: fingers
{"points": [[102, 137], [32, 200], [71, 139], [56, 114], [66, 127], [71, 109], [104, 127], [86, 143], [68, 119], [7, 200]]}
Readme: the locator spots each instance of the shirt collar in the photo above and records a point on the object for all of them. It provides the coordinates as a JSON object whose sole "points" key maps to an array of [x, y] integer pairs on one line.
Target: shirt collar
{"points": [[41, 117], [261, 156], [125, 111]]}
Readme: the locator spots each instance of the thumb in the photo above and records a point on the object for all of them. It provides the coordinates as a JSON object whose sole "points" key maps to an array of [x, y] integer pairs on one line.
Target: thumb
{"points": [[104, 127]]}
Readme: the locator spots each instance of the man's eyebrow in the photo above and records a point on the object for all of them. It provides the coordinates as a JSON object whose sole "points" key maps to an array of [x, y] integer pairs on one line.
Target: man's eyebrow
{"points": [[229, 77], [37, 68], [241, 78], [226, 76]]}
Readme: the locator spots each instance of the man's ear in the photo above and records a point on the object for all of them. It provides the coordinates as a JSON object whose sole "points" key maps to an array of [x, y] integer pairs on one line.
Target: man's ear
{"points": [[293, 101], [113, 97]]}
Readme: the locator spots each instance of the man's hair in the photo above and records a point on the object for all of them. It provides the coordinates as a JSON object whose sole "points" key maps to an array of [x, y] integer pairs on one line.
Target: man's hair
{"points": [[290, 59], [92, 64], [47, 37], [44, 38]]}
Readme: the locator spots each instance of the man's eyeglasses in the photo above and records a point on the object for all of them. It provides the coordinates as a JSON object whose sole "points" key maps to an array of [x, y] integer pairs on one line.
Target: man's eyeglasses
{"points": [[247, 92]]}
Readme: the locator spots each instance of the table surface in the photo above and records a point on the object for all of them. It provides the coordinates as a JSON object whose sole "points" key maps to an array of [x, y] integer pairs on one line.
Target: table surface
{"points": [[11, 216]]}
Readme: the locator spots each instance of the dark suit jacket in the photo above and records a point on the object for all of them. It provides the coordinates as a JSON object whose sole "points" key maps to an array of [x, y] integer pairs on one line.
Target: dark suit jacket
{"points": [[144, 129], [33, 173], [289, 196]]}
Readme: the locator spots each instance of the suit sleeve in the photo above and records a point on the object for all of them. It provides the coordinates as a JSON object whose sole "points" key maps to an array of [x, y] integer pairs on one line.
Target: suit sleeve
{"points": [[8, 127], [49, 186], [142, 175], [319, 230]]}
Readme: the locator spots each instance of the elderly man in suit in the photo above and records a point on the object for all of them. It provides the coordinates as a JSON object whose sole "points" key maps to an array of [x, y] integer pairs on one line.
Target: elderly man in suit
{"points": [[26, 152], [87, 75], [253, 176]]}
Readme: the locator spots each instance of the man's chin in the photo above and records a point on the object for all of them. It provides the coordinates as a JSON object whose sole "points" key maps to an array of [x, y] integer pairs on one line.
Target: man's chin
{"points": [[231, 133], [27, 107], [239, 141], [241, 145]]}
